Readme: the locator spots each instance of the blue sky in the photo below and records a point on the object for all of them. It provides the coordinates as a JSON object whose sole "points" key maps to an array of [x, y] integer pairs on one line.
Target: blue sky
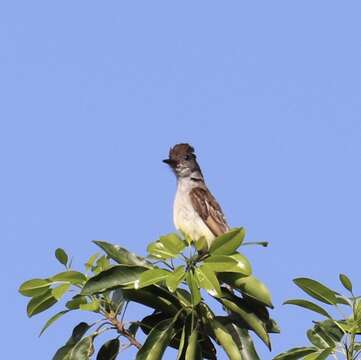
{"points": [[94, 94]]}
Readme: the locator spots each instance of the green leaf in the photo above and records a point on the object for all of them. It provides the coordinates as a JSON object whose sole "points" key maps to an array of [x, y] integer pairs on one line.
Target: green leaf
{"points": [[319, 355], [330, 331], [193, 287], [248, 285], [75, 302], [61, 256], [92, 306], [175, 278], [308, 305], [173, 243], [316, 290], [151, 277], [118, 300], [208, 280], [241, 338], [74, 277], [227, 243], [181, 348], [248, 351], [346, 282], [157, 341], [316, 338], [225, 340], [52, 320], [34, 287], [109, 350], [154, 297], [59, 291], [118, 275], [295, 353], [101, 264], [89, 264], [83, 349], [223, 263], [133, 328], [193, 349], [121, 255], [245, 313], [40, 303], [159, 251], [78, 332]]}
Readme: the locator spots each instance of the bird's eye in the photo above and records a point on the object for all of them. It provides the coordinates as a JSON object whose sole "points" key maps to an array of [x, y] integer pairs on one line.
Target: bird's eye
{"points": [[187, 157]]}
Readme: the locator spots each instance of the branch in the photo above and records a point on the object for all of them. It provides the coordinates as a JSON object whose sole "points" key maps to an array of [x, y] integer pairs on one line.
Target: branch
{"points": [[124, 332]]}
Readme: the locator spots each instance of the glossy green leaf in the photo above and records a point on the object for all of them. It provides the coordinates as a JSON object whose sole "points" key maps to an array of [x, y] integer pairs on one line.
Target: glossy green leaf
{"points": [[59, 291], [118, 275], [331, 331], [343, 300], [208, 280], [316, 290], [101, 264], [175, 278], [157, 341], [296, 353], [34, 287], [248, 285], [319, 355], [74, 277], [346, 282], [75, 302], [40, 303], [121, 255], [173, 243], [92, 306], [227, 243], [52, 320], [222, 263], [193, 287], [90, 263], [109, 350], [247, 315], [151, 277], [78, 332], [308, 305], [182, 343], [83, 349], [159, 251], [316, 338], [61, 256], [193, 349], [133, 328], [241, 338], [153, 297], [225, 340]]}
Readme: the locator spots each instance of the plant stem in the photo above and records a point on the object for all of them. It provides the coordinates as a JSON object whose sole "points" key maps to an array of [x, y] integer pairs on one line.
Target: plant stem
{"points": [[351, 346], [124, 332]]}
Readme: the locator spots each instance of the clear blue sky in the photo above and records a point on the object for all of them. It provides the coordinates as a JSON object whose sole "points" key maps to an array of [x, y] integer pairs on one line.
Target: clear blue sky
{"points": [[94, 94]]}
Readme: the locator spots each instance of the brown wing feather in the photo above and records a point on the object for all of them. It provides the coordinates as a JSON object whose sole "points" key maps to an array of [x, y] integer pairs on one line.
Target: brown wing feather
{"points": [[209, 210]]}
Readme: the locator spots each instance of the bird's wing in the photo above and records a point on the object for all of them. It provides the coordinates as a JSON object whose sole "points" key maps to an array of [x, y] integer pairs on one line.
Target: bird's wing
{"points": [[209, 210]]}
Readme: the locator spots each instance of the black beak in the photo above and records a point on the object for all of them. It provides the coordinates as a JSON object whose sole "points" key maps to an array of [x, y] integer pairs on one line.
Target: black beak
{"points": [[170, 162]]}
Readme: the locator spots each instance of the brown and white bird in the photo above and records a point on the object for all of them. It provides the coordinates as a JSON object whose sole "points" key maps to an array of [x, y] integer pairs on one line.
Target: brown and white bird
{"points": [[195, 211]]}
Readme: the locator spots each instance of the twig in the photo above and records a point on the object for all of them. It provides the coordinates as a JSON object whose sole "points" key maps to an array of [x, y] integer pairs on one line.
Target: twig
{"points": [[124, 332]]}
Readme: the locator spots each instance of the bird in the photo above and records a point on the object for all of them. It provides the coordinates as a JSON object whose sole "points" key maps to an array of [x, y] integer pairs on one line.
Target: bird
{"points": [[196, 212]]}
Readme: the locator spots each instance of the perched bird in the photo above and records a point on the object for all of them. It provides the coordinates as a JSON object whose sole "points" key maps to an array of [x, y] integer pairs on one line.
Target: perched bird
{"points": [[195, 211]]}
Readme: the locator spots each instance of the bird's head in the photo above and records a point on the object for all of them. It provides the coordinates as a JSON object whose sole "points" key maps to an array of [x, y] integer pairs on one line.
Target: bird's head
{"points": [[182, 160]]}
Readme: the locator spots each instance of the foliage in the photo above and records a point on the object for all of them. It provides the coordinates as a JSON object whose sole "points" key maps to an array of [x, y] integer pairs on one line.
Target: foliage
{"points": [[333, 335], [176, 281]]}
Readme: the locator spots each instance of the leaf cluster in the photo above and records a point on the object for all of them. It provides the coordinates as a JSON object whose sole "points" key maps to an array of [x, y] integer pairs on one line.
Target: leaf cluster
{"points": [[333, 335], [175, 281]]}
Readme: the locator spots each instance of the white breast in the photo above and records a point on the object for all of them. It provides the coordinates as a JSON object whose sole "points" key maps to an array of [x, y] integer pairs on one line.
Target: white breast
{"points": [[185, 217]]}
